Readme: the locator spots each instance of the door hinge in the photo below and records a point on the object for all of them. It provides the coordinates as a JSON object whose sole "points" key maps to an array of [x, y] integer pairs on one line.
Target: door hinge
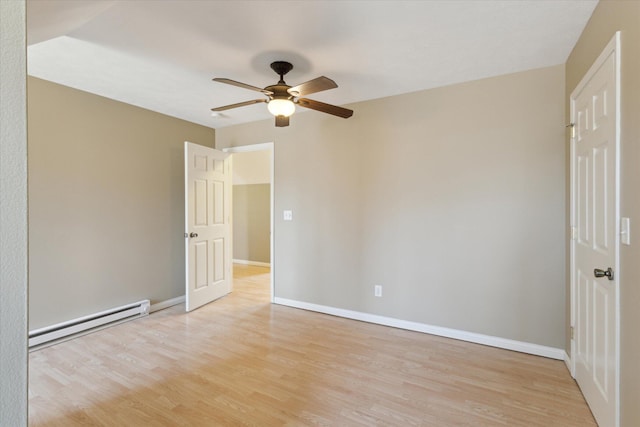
{"points": [[574, 233], [572, 332], [573, 129]]}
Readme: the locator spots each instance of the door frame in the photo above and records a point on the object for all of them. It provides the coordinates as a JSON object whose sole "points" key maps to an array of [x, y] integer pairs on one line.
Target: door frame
{"points": [[612, 48], [264, 147]]}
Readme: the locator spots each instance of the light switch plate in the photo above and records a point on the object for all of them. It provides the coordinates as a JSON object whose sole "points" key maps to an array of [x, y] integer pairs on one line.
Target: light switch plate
{"points": [[288, 215], [625, 231]]}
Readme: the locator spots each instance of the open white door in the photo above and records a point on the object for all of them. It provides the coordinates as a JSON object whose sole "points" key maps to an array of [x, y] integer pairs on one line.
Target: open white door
{"points": [[207, 224], [595, 229]]}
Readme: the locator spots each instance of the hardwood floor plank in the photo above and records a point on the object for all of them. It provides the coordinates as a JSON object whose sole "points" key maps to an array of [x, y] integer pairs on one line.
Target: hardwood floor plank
{"points": [[242, 361]]}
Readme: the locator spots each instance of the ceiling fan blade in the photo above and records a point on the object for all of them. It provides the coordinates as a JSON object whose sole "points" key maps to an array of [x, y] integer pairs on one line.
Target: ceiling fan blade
{"points": [[243, 85], [239, 104], [325, 108], [282, 121], [312, 86]]}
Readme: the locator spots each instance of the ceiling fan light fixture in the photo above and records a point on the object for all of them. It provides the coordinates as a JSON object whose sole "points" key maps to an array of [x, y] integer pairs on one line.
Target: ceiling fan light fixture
{"points": [[281, 107]]}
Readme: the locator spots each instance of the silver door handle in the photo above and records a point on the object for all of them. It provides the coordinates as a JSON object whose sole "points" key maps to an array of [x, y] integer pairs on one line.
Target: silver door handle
{"points": [[608, 273], [193, 235]]}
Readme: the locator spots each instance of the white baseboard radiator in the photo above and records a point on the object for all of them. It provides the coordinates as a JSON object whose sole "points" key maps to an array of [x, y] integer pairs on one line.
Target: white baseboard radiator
{"points": [[82, 325]]}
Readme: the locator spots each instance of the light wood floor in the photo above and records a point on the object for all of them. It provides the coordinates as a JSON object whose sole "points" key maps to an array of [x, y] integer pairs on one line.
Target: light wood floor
{"points": [[243, 361]]}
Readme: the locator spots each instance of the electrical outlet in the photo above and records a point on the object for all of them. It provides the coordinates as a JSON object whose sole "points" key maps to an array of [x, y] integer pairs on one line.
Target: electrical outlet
{"points": [[288, 215], [377, 290]]}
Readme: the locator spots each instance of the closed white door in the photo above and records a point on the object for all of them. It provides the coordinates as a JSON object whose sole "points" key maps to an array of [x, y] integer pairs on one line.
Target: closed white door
{"points": [[207, 225], [595, 244]]}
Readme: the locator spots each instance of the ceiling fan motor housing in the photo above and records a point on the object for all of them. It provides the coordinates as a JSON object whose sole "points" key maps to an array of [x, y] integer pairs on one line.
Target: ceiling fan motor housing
{"points": [[279, 91]]}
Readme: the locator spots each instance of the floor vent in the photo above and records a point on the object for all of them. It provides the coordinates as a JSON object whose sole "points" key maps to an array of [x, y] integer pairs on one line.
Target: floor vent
{"points": [[66, 330]]}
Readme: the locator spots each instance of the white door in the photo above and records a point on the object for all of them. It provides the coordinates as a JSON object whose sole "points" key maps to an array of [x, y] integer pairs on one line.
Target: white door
{"points": [[207, 224], [594, 111]]}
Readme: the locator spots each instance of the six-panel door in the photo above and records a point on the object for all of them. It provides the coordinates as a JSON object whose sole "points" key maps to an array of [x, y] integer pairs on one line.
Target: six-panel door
{"points": [[208, 227], [595, 246]]}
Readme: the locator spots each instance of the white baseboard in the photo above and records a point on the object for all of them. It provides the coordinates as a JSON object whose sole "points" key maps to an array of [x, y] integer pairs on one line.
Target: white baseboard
{"points": [[567, 361], [166, 304], [523, 347], [247, 262]]}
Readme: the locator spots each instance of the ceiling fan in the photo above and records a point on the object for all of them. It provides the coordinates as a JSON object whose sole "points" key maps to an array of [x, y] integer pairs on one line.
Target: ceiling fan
{"points": [[282, 99]]}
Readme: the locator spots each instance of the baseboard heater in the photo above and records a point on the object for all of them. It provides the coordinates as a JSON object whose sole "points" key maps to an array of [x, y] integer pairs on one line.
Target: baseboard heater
{"points": [[84, 324]]}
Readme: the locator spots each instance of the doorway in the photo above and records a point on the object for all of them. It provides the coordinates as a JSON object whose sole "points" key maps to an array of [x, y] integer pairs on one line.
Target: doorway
{"points": [[253, 230]]}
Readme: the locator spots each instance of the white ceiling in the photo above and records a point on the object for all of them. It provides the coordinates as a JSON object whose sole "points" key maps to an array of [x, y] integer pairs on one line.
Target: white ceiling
{"points": [[162, 55]]}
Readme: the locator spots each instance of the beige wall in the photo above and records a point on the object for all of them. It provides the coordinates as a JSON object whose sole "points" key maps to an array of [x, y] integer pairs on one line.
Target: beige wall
{"points": [[106, 203], [609, 17], [251, 222], [13, 215], [252, 206], [452, 199], [252, 167]]}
